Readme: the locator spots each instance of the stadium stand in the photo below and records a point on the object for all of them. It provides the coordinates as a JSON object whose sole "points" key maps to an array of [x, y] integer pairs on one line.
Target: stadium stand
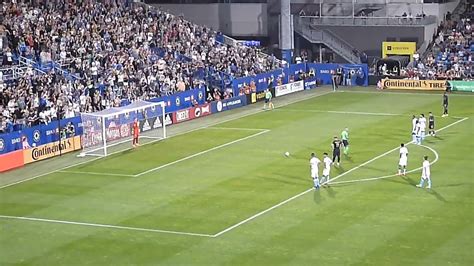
{"points": [[98, 55], [450, 54]]}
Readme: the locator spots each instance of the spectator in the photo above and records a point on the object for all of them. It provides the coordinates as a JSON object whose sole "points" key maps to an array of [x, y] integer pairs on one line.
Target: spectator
{"points": [[109, 54]]}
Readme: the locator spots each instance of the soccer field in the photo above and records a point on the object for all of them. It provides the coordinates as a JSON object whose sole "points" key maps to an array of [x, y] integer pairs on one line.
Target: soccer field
{"points": [[222, 192]]}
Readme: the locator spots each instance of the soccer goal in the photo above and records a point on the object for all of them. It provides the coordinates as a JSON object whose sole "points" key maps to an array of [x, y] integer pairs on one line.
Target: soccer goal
{"points": [[111, 127]]}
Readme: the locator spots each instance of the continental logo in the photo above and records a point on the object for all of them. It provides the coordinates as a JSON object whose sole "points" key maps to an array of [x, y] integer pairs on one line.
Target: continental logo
{"points": [[52, 149], [403, 84], [47, 151]]}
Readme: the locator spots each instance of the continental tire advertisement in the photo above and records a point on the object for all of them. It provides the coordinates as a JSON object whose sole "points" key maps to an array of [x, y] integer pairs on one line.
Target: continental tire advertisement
{"points": [[53, 149], [407, 84]]}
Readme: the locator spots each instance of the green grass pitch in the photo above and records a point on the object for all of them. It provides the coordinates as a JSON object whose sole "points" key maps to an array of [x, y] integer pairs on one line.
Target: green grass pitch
{"points": [[225, 194]]}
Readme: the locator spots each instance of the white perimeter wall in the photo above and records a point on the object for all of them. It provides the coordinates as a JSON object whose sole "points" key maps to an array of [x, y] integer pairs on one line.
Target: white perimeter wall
{"points": [[231, 19]]}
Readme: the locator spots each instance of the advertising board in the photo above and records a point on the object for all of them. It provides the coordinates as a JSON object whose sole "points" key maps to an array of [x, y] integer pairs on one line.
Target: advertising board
{"points": [[289, 88], [52, 149], [407, 84]]}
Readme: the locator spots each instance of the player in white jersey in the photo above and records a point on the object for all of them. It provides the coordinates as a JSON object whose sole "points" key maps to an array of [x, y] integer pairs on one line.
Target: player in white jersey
{"points": [[422, 121], [425, 174], [417, 133], [403, 161], [314, 167], [414, 121], [327, 169]]}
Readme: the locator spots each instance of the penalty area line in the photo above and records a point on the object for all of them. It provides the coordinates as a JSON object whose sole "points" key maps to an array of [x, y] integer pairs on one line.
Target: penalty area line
{"points": [[200, 153], [312, 189], [93, 173], [388, 176], [109, 226], [297, 196]]}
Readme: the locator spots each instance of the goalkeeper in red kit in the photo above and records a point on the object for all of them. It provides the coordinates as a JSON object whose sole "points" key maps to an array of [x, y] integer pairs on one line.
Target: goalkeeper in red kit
{"points": [[136, 133]]}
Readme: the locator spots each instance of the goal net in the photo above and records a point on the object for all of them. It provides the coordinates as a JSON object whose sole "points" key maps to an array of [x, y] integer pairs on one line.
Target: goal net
{"points": [[112, 127]]}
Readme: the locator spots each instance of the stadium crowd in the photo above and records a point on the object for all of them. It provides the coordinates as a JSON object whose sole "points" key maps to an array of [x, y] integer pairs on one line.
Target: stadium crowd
{"points": [[451, 53], [108, 53]]}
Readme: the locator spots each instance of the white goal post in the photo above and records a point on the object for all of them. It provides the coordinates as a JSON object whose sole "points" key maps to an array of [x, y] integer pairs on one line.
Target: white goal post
{"points": [[105, 129]]}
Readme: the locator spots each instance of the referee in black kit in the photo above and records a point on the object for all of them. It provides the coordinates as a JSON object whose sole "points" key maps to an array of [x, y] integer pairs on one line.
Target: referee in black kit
{"points": [[445, 104], [336, 151]]}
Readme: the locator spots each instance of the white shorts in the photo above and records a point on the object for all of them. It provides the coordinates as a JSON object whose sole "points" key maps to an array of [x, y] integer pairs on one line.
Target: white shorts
{"points": [[326, 172], [314, 173], [403, 162], [425, 176]]}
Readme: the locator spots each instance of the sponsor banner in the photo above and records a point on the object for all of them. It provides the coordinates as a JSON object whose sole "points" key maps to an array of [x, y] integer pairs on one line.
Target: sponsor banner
{"points": [[149, 124], [39, 135], [407, 84], [154, 123], [191, 113], [199, 111], [398, 48], [168, 119], [228, 104], [260, 96], [310, 83], [261, 81], [182, 100], [11, 160], [52, 149], [289, 88], [116, 131], [181, 116], [282, 90], [295, 69], [467, 86], [359, 73]]}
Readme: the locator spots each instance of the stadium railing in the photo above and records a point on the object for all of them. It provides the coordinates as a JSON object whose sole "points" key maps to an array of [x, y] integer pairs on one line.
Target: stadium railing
{"points": [[369, 21]]}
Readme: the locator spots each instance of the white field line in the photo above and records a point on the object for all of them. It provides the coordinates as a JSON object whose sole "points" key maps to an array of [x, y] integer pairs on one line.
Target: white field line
{"points": [[311, 189], [388, 176], [452, 124], [238, 128], [102, 225], [200, 153], [298, 195], [339, 112], [93, 173], [177, 134]]}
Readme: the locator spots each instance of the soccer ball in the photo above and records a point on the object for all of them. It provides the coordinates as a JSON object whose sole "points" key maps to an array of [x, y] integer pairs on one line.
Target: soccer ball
{"points": [[287, 154]]}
